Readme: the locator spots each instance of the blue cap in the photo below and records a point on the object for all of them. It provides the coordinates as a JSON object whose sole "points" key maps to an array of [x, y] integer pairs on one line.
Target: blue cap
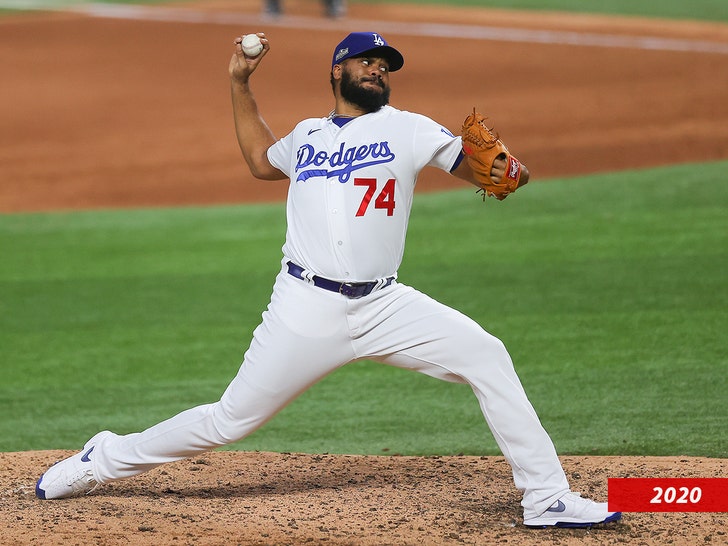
{"points": [[357, 44]]}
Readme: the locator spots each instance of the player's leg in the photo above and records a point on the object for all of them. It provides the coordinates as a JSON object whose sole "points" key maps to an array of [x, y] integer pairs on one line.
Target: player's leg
{"points": [[302, 337], [410, 330]]}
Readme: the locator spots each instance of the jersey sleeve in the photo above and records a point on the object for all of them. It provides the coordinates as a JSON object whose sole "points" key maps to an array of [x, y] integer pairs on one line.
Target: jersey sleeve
{"points": [[282, 154], [449, 156], [445, 148], [279, 154]]}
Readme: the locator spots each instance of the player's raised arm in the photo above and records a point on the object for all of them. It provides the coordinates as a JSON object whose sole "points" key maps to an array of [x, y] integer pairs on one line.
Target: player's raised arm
{"points": [[254, 135]]}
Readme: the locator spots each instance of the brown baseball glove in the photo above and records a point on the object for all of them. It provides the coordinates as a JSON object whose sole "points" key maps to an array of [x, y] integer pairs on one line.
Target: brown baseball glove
{"points": [[481, 147]]}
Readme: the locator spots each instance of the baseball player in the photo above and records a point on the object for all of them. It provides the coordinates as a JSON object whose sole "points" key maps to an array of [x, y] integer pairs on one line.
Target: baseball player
{"points": [[337, 298]]}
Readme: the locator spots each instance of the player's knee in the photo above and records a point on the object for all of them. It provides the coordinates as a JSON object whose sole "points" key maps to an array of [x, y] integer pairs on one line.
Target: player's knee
{"points": [[491, 352], [481, 342], [230, 427]]}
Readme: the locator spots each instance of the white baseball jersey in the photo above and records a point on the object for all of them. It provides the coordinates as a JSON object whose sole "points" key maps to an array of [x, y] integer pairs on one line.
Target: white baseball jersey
{"points": [[351, 189]]}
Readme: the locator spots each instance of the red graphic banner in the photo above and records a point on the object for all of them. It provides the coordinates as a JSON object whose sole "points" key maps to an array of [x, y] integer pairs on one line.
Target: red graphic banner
{"points": [[668, 494]]}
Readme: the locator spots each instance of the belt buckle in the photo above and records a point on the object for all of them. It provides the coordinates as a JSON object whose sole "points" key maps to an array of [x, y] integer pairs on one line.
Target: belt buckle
{"points": [[352, 290]]}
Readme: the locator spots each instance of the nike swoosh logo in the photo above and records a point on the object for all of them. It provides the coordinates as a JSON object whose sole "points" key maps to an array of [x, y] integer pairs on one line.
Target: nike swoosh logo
{"points": [[85, 456], [313, 131], [560, 507]]}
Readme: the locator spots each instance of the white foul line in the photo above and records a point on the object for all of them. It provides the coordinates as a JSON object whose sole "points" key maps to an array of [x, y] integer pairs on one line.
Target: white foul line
{"points": [[439, 30]]}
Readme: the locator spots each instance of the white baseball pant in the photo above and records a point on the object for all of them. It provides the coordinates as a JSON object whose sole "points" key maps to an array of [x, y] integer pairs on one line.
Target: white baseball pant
{"points": [[308, 332]]}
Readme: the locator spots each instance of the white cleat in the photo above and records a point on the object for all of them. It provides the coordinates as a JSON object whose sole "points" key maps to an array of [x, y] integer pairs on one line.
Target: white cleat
{"points": [[572, 510], [70, 477]]}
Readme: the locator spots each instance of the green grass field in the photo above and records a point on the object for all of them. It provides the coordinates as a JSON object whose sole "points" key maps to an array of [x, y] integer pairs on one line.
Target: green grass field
{"points": [[710, 10], [609, 291]]}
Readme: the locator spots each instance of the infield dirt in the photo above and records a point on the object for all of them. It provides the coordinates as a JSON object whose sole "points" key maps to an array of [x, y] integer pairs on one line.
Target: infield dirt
{"points": [[113, 112]]}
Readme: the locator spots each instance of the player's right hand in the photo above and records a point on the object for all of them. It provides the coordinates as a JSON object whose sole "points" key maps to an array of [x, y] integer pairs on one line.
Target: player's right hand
{"points": [[241, 66]]}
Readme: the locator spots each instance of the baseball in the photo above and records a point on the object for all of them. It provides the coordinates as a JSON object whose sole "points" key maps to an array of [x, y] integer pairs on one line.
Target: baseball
{"points": [[251, 45]]}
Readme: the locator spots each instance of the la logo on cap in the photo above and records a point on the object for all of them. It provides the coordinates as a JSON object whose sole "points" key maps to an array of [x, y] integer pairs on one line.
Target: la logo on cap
{"points": [[367, 43]]}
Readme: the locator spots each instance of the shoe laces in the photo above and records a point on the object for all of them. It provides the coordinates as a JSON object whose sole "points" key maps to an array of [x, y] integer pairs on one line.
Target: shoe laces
{"points": [[86, 476]]}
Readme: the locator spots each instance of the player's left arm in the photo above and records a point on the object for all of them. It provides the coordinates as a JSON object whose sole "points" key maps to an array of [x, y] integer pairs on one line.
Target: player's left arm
{"points": [[465, 172]]}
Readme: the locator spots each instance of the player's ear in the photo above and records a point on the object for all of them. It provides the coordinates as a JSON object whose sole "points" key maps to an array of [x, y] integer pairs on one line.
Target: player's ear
{"points": [[336, 72]]}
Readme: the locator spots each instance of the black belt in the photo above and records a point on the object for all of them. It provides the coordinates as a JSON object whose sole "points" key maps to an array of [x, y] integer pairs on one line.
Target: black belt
{"points": [[352, 290]]}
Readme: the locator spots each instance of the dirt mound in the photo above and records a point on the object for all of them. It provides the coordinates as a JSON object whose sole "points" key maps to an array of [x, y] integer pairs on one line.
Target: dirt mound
{"points": [[242, 498]]}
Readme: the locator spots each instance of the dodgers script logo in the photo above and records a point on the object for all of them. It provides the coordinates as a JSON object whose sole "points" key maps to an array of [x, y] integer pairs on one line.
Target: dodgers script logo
{"points": [[342, 162]]}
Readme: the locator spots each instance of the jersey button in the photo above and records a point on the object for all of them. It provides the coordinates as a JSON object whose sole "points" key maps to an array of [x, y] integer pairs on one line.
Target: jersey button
{"points": [[340, 243]]}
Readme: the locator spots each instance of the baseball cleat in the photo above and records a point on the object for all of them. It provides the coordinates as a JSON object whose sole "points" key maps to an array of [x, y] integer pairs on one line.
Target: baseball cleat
{"points": [[71, 477], [573, 511]]}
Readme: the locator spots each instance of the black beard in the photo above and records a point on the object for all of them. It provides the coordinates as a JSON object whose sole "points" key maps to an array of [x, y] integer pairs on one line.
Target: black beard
{"points": [[369, 100]]}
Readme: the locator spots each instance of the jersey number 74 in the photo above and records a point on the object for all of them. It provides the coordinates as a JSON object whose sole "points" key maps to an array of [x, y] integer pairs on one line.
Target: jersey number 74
{"points": [[384, 200]]}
